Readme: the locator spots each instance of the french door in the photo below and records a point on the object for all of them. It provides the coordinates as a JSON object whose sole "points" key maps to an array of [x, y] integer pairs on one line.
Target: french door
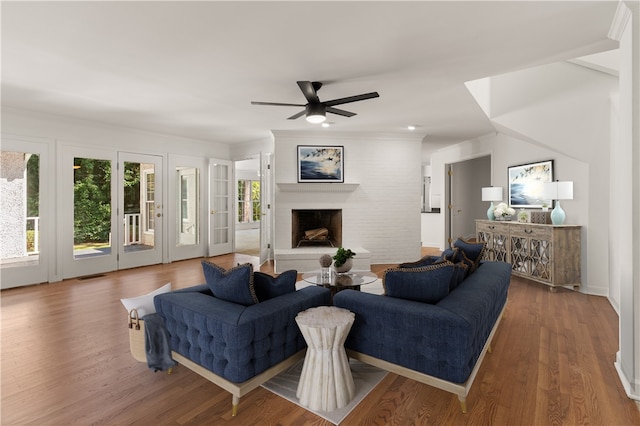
{"points": [[221, 202], [141, 210], [112, 214], [266, 201]]}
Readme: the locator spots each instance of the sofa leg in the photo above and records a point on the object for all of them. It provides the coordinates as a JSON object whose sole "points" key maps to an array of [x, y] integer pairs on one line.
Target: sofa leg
{"points": [[489, 348], [463, 404], [234, 405]]}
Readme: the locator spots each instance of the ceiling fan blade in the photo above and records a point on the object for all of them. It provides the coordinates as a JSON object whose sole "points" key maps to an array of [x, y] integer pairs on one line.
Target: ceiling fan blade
{"points": [[340, 112], [298, 115], [309, 91], [275, 104], [352, 99]]}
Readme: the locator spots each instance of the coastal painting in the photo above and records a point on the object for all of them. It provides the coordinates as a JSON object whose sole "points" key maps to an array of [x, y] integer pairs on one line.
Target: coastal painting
{"points": [[320, 163], [526, 184]]}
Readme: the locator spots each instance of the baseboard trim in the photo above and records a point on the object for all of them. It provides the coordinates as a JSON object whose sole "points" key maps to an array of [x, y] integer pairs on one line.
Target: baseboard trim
{"points": [[626, 384]]}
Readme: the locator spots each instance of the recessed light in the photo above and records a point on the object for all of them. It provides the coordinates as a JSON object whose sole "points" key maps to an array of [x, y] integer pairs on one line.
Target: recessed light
{"points": [[411, 127], [325, 124]]}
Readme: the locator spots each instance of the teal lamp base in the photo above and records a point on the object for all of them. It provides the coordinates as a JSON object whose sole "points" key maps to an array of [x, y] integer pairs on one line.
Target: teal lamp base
{"points": [[490, 214], [557, 215]]}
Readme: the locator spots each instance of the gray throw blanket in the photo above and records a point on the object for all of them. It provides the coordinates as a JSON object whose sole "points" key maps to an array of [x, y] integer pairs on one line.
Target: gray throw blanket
{"points": [[156, 343]]}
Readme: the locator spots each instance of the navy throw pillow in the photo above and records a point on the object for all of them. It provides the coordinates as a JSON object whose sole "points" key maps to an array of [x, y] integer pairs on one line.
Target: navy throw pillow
{"points": [[451, 254], [234, 285], [268, 287], [471, 253], [428, 284]]}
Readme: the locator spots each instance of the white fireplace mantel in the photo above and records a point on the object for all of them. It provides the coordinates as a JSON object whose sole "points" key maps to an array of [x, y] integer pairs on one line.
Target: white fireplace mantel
{"points": [[317, 187]]}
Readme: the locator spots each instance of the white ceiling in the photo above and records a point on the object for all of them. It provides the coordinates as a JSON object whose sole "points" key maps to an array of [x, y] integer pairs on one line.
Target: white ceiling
{"points": [[192, 68]]}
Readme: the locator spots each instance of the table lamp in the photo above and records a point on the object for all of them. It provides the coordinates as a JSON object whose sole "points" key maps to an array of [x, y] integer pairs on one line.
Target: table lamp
{"points": [[491, 193], [558, 191]]}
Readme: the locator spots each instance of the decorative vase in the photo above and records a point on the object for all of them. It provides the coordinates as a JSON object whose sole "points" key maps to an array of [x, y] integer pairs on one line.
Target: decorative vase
{"points": [[490, 214], [557, 215], [345, 267]]}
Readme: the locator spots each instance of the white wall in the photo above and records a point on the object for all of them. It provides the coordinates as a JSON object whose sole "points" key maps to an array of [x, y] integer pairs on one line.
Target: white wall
{"points": [[559, 111], [86, 133], [507, 151], [625, 187], [382, 214]]}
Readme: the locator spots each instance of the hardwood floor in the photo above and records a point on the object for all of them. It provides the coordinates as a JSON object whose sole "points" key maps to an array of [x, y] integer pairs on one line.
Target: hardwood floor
{"points": [[65, 360]]}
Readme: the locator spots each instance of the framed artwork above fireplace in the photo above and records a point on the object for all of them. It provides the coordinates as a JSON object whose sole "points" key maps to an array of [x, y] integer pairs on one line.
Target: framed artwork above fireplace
{"points": [[318, 163]]}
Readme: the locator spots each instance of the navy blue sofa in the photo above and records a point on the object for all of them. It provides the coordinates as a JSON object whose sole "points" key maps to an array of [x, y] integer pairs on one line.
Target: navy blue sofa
{"points": [[440, 344], [236, 347]]}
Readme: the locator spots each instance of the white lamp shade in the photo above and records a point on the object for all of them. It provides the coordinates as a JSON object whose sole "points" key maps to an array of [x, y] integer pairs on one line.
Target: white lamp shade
{"points": [[565, 191], [558, 190], [492, 193]]}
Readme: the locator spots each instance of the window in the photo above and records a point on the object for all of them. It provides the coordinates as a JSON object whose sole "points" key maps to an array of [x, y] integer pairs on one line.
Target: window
{"points": [[248, 201], [149, 201]]}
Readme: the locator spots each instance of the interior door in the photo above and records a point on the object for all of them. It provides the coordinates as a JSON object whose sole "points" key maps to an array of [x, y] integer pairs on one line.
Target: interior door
{"points": [[220, 207], [140, 212], [25, 212], [266, 201]]}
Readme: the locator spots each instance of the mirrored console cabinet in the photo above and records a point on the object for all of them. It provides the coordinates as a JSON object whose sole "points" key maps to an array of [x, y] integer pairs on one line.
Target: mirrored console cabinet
{"points": [[548, 254]]}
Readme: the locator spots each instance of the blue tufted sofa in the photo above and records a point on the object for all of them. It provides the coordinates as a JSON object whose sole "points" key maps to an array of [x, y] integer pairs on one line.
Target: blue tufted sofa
{"points": [[440, 343], [236, 347]]}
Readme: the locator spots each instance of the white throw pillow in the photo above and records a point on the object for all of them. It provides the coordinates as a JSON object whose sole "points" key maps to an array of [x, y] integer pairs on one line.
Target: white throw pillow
{"points": [[144, 304]]}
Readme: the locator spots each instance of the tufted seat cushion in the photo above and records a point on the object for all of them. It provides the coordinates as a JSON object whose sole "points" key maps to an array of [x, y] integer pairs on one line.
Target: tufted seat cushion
{"points": [[233, 341]]}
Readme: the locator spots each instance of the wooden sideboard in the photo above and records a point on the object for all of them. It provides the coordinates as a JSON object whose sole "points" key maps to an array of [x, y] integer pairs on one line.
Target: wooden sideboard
{"points": [[548, 254]]}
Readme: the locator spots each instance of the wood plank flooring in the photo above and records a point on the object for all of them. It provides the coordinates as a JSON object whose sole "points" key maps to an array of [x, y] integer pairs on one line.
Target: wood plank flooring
{"points": [[66, 361]]}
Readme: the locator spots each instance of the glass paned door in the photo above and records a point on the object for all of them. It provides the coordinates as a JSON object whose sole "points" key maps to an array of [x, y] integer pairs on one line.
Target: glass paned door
{"points": [[24, 189], [266, 201], [220, 207], [91, 207], [115, 215], [187, 226], [140, 212], [87, 215]]}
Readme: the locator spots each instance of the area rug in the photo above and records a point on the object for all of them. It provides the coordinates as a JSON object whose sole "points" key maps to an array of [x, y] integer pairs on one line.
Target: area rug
{"points": [[365, 378]]}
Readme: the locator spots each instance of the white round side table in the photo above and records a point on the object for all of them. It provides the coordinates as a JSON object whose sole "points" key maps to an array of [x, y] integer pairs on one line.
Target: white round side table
{"points": [[326, 382]]}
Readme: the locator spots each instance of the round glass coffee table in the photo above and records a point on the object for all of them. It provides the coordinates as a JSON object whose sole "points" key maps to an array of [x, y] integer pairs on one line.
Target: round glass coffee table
{"points": [[337, 282]]}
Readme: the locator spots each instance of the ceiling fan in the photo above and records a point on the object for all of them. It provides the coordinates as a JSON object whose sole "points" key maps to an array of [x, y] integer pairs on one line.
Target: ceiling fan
{"points": [[316, 110]]}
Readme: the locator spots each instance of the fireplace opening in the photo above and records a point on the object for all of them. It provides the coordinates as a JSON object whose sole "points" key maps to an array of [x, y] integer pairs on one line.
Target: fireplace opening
{"points": [[316, 228]]}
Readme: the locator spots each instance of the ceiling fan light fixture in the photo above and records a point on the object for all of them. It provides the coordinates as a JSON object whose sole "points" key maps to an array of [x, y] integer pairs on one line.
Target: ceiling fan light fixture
{"points": [[316, 118], [316, 113]]}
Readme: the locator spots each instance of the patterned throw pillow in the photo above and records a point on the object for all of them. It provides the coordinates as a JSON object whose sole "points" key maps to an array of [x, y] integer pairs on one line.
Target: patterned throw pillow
{"points": [[234, 285], [428, 284], [471, 253], [268, 287], [451, 254]]}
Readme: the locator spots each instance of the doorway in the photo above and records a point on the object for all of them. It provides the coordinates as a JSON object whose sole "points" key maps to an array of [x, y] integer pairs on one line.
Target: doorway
{"points": [[115, 218], [464, 193], [248, 206]]}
